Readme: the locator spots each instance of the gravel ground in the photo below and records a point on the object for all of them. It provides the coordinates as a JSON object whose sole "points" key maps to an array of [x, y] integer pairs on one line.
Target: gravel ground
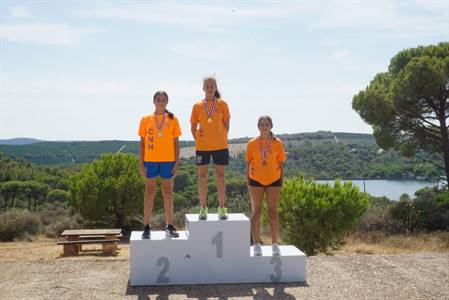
{"points": [[399, 276]]}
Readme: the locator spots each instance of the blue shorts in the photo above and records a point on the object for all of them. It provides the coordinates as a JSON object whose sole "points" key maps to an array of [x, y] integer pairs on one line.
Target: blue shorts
{"points": [[161, 169]]}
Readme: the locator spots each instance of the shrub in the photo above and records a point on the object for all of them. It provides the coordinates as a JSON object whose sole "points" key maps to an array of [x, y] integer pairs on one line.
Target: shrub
{"points": [[378, 215], [57, 217], [317, 217], [18, 223]]}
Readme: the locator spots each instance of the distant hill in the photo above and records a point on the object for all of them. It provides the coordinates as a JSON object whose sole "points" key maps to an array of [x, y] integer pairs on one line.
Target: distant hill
{"points": [[70, 152], [19, 141]]}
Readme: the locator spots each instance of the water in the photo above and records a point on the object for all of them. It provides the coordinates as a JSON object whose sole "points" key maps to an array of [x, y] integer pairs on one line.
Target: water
{"points": [[392, 189]]}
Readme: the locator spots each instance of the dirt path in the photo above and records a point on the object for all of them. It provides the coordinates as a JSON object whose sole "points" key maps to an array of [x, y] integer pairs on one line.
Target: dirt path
{"points": [[400, 276]]}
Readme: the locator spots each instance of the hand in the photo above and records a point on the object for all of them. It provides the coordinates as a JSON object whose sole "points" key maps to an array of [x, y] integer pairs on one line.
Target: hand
{"points": [[143, 171], [175, 169]]}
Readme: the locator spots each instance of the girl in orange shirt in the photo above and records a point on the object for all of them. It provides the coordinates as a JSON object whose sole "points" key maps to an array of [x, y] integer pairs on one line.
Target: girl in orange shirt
{"points": [[159, 157], [210, 126], [265, 155]]}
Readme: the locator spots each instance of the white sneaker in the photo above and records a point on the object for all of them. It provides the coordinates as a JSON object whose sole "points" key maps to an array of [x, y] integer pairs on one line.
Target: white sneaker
{"points": [[257, 249], [276, 250]]}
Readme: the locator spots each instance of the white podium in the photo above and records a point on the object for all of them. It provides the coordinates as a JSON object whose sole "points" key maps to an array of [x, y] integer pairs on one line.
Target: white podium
{"points": [[210, 251]]}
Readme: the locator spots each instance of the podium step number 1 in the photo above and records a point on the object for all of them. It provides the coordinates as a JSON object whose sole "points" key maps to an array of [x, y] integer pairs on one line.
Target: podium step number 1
{"points": [[211, 251]]}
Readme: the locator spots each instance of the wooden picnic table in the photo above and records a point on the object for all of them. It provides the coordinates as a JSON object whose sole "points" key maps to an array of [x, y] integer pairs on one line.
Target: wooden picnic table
{"points": [[75, 238]]}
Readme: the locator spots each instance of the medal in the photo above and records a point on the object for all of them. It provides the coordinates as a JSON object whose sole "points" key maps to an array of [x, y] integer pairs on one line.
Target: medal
{"points": [[210, 113], [159, 126], [264, 152]]}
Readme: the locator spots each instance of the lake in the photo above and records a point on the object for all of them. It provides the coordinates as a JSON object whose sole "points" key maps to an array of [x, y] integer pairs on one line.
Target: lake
{"points": [[392, 189]]}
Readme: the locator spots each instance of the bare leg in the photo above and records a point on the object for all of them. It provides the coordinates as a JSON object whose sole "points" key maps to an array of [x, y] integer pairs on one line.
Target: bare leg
{"points": [[202, 184], [150, 192], [273, 194], [221, 185], [256, 195], [167, 193]]}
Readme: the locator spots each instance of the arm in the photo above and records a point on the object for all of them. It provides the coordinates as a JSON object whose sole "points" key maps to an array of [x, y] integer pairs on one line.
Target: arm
{"points": [[193, 127], [247, 172], [176, 168], [281, 166], [141, 156], [226, 124]]}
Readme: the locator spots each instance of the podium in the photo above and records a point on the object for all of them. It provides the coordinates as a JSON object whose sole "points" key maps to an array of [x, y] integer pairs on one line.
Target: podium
{"points": [[209, 252]]}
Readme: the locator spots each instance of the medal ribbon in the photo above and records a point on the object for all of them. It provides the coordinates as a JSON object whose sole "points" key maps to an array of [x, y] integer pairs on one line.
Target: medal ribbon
{"points": [[209, 114], [161, 125], [264, 152]]}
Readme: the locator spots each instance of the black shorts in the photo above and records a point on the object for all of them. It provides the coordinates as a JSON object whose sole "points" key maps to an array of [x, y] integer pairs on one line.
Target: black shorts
{"points": [[220, 157], [253, 182]]}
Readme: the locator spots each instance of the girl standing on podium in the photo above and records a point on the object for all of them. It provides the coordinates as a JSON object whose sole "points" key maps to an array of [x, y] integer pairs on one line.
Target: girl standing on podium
{"points": [[159, 157], [210, 127], [265, 156]]}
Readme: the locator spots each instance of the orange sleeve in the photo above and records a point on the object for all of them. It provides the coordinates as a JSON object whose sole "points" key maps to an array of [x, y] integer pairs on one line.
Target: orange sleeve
{"points": [[226, 114], [142, 128], [281, 155], [194, 118], [176, 128], [248, 154]]}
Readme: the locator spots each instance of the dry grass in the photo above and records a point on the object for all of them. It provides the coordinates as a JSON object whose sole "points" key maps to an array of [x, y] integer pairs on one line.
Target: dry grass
{"points": [[379, 243]]}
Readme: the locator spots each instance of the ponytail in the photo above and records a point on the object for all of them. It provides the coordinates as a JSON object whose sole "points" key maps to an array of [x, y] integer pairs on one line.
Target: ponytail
{"points": [[217, 94], [170, 114]]}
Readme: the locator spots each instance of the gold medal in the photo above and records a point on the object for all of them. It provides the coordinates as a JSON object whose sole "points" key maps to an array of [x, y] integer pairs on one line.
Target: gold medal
{"points": [[264, 151], [159, 134], [210, 113]]}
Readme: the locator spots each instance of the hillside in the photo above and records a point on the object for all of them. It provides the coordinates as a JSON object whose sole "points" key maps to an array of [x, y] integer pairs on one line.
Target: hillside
{"points": [[65, 153]]}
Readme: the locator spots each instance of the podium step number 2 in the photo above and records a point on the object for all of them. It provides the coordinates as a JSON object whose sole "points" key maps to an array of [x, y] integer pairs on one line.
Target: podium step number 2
{"points": [[211, 251]]}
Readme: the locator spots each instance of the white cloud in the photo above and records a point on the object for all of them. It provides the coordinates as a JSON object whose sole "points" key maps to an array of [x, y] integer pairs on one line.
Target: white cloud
{"points": [[44, 33], [19, 12]]}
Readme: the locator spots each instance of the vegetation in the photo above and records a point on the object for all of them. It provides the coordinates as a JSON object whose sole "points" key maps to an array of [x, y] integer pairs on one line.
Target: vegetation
{"points": [[408, 106], [317, 217]]}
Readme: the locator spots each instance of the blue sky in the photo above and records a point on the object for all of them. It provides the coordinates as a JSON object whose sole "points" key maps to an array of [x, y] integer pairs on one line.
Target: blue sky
{"points": [[80, 70]]}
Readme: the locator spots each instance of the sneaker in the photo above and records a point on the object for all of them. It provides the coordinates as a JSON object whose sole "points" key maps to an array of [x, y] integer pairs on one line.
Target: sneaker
{"points": [[276, 250], [257, 249], [170, 231], [203, 213], [222, 213], [146, 232]]}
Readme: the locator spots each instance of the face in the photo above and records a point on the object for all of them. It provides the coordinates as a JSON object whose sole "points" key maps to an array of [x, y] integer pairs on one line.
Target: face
{"points": [[160, 102], [209, 87], [264, 126]]}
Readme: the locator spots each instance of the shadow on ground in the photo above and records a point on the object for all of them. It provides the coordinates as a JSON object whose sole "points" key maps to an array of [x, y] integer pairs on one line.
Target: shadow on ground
{"points": [[222, 291]]}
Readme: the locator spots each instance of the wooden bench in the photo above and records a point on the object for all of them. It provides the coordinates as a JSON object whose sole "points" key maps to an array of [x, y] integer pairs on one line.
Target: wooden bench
{"points": [[72, 245]]}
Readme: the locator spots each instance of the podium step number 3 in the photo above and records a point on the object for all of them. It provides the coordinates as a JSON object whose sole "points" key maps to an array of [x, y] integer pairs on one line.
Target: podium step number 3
{"points": [[211, 251]]}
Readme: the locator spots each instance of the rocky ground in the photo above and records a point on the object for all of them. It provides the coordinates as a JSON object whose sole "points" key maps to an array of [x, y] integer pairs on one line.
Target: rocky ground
{"points": [[38, 272]]}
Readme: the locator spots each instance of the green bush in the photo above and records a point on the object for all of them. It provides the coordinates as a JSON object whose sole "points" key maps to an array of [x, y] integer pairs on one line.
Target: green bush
{"points": [[317, 217], [18, 223], [432, 207], [109, 191]]}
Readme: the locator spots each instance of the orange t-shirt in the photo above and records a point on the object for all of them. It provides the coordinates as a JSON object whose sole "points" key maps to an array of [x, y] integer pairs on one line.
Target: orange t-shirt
{"points": [[271, 172], [214, 135], [159, 149]]}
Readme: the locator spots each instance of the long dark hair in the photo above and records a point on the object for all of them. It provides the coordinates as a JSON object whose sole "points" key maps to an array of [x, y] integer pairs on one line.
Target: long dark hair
{"points": [[163, 93], [217, 93], [267, 118]]}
